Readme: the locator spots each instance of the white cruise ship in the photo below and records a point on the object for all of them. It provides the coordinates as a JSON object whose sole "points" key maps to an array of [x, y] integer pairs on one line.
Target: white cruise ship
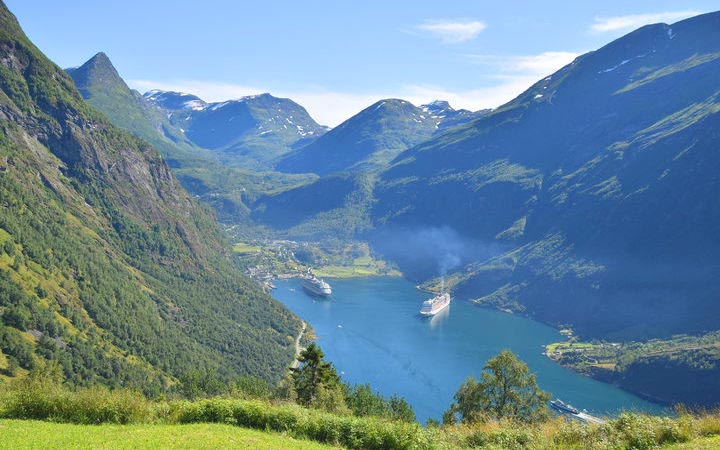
{"points": [[315, 286], [435, 304]]}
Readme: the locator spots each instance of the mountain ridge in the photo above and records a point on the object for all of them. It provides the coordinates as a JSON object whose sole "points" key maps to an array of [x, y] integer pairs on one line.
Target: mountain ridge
{"points": [[374, 136], [251, 132]]}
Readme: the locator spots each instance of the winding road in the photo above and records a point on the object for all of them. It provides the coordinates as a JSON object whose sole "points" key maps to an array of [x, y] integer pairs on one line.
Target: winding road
{"points": [[298, 349]]}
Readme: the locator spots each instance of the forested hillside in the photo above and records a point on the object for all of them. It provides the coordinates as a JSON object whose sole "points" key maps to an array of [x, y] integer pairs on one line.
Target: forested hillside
{"points": [[108, 266]]}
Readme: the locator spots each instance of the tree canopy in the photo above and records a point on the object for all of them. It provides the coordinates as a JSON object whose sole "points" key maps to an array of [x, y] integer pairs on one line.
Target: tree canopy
{"points": [[506, 390]]}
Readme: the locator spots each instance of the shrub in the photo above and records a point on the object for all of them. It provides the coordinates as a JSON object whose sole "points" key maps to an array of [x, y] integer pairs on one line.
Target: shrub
{"points": [[348, 431], [41, 399]]}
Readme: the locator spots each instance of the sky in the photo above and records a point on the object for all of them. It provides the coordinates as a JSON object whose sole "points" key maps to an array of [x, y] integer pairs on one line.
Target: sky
{"points": [[336, 58]]}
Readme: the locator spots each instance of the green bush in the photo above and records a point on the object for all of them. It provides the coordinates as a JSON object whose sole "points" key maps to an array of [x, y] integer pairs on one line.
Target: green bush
{"points": [[348, 431], [41, 399]]}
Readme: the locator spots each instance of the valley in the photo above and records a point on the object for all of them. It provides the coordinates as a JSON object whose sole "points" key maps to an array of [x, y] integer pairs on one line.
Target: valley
{"points": [[150, 245], [500, 201]]}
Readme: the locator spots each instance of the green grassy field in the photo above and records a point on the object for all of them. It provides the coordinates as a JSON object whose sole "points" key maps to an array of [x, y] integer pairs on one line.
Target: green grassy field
{"points": [[711, 443], [30, 434], [243, 248], [360, 267]]}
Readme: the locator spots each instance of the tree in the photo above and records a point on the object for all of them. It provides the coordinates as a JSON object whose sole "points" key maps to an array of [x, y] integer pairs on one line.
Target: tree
{"points": [[285, 390], [251, 387], [362, 401], [312, 375], [506, 389]]}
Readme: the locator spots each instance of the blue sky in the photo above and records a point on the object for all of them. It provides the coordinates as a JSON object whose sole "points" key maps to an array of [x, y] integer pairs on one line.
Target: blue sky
{"points": [[333, 57]]}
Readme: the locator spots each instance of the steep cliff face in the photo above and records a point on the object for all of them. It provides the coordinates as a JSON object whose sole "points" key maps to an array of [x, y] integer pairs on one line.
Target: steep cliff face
{"points": [[108, 266]]}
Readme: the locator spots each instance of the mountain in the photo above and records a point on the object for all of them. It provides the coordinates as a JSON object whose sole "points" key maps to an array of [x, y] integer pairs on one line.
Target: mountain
{"points": [[588, 201], [250, 133], [107, 266], [597, 188], [373, 137], [174, 101], [226, 189], [448, 116], [100, 84]]}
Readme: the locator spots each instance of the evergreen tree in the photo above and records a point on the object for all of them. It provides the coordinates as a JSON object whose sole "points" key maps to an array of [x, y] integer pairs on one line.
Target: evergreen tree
{"points": [[312, 375]]}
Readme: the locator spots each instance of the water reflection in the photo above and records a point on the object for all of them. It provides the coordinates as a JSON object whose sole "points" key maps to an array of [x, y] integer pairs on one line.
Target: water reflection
{"points": [[439, 318]]}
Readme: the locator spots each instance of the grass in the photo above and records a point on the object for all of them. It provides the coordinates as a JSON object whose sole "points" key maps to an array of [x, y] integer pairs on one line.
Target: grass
{"points": [[347, 260], [243, 249], [355, 271], [97, 418], [695, 351], [30, 434], [711, 443]]}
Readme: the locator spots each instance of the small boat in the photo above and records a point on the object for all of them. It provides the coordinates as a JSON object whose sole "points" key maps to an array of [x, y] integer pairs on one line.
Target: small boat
{"points": [[563, 407]]}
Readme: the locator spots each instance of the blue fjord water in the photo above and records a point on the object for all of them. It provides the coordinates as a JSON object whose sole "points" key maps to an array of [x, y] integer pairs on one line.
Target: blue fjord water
{"points": [[371, 331]]}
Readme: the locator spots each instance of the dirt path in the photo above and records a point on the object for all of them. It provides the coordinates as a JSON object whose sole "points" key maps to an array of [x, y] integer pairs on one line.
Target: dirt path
{"points": [[298, 349]]}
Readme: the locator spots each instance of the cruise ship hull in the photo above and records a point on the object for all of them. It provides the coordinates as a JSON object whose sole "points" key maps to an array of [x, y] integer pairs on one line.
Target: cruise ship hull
{"points": [[433, 312], [316, 287], [316, 292]]}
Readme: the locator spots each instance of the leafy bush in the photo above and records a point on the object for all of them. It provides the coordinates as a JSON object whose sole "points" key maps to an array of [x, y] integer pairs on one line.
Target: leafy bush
{"points": [[42, 399], [352, 432]]}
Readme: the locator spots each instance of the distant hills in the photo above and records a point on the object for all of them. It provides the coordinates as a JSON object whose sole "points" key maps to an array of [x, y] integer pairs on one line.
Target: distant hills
{"points": [[107, 266], [100, 84], [249, 133], [373, 137], [225, 187]]}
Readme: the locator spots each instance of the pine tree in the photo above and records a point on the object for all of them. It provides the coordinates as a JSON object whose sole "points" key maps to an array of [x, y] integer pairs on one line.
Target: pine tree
{"points": [[312, 374]]}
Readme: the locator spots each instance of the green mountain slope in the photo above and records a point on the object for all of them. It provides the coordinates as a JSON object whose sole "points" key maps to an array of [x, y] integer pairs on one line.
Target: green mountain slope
{"points": [[599, 182], [107, 266], [589, 200], [373, 137]]}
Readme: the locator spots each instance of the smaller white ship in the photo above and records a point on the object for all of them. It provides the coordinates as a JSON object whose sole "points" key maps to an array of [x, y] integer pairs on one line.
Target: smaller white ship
{"points": [[315, 286], [435, 304]]}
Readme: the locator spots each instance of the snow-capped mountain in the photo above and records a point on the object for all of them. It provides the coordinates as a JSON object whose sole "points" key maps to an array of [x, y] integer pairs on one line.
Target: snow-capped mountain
{"points": [[249, 132]]}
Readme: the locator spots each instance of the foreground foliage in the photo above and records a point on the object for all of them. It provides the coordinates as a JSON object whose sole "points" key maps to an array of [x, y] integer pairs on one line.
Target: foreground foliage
{"points": [[506, 390], [18, 434], [39, 399]]}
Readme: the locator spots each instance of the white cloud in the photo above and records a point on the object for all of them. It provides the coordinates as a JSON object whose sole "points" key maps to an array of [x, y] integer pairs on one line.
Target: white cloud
{"points": [[541, 64], [452, 31], [633, 21], [511, 76], [525, 66]]}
